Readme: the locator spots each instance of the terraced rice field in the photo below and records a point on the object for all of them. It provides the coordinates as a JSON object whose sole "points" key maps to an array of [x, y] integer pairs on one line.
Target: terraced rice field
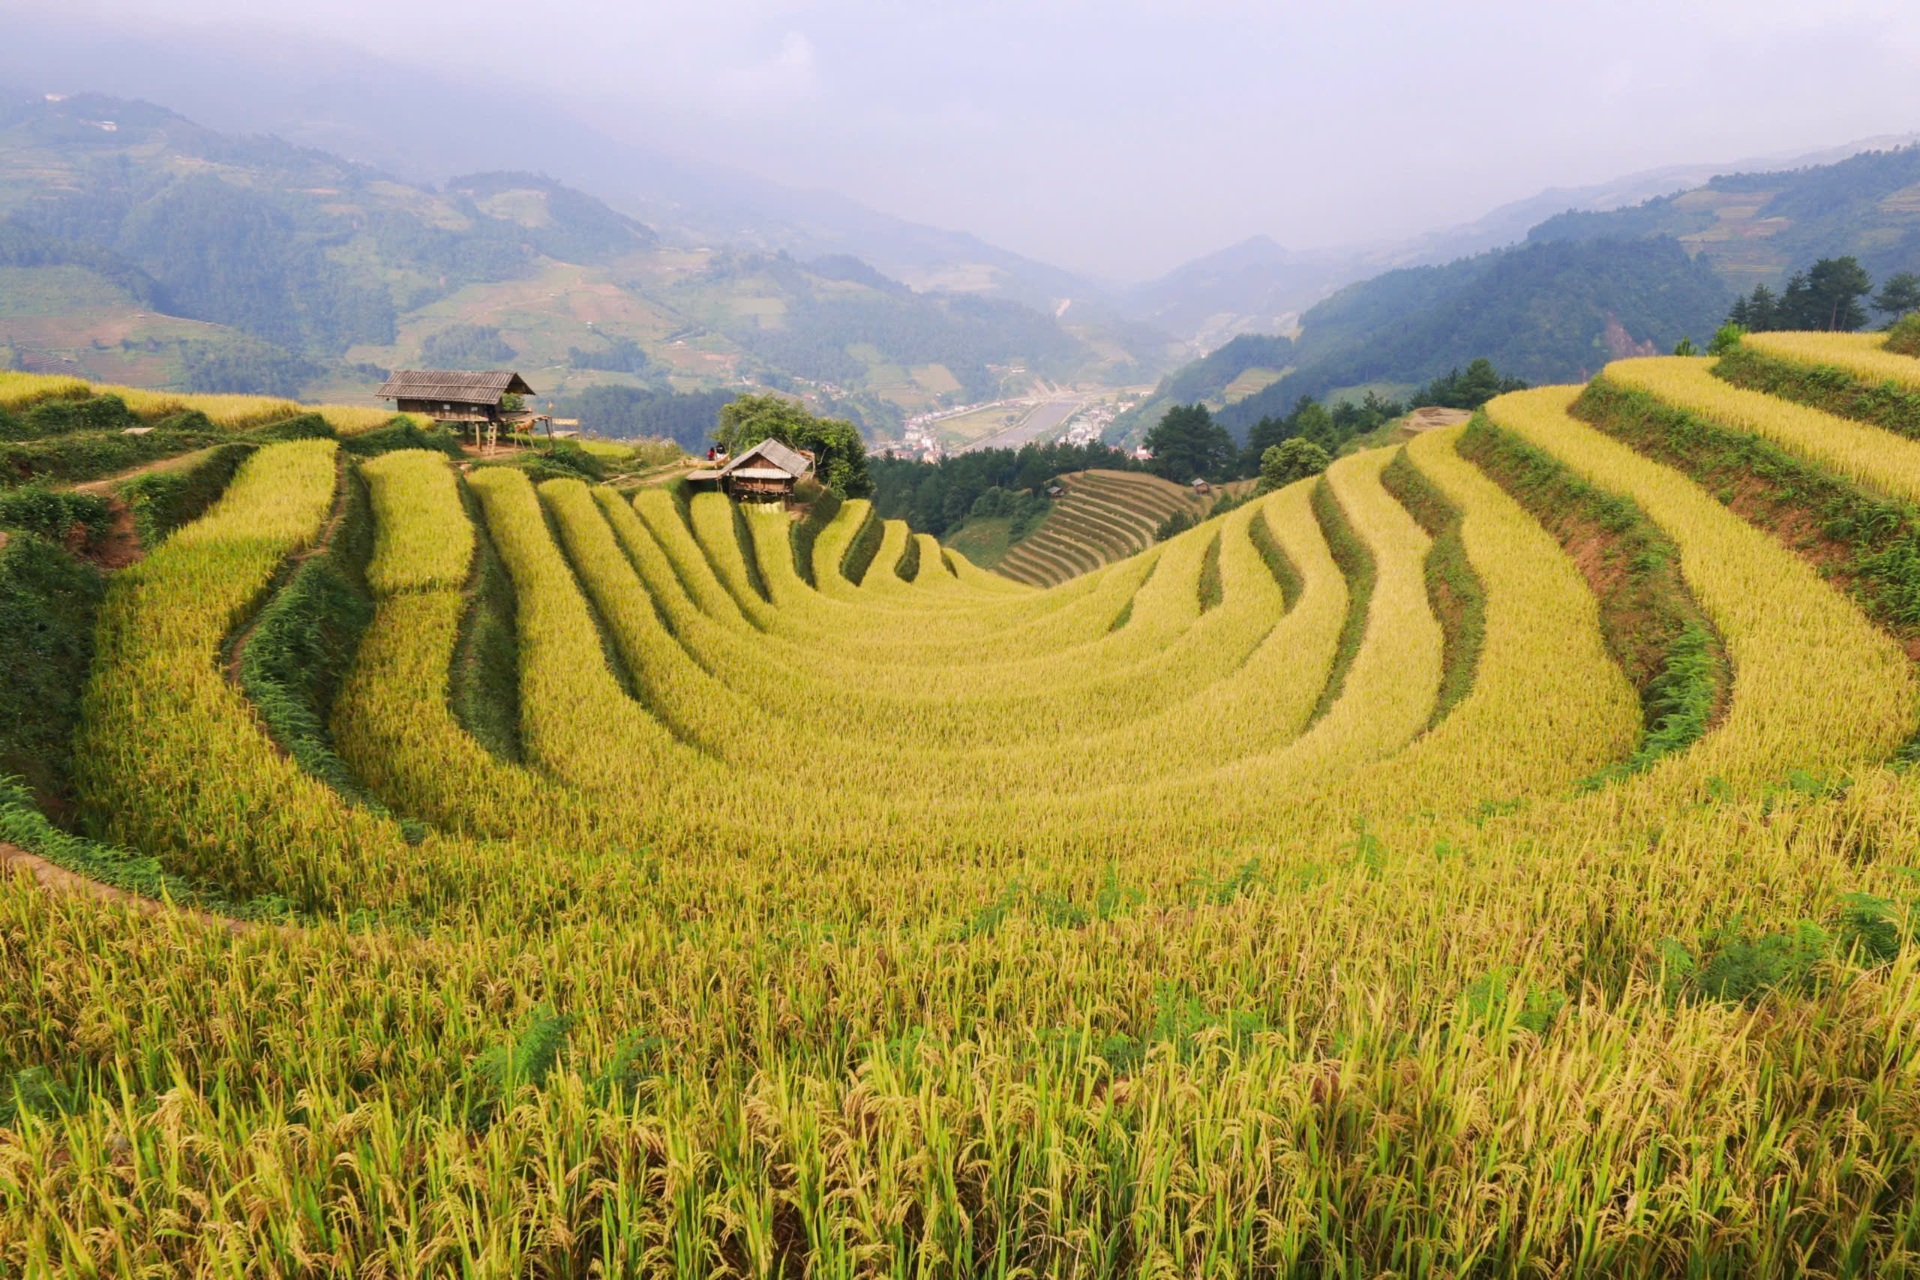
{"points": [[1104, 516], [1492, 858]]}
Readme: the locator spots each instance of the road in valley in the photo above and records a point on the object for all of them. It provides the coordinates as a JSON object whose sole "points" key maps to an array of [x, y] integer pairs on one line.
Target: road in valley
{"points": [[1043, 422]]}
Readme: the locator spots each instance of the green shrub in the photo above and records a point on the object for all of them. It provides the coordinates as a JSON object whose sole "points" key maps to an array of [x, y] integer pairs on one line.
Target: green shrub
{"points": [[1177, 523], [1740, 966], [402, 434], [89, 455], [1283, 569], [303, 642], [1209, 588], [1454, 589], [48, 602], [1904, 337], [1357, 566], [523, 1064], [63, 417], [306, 426], [52, 513], [1291, 460], [1499, 998], [1726, 339], [907, 568]]}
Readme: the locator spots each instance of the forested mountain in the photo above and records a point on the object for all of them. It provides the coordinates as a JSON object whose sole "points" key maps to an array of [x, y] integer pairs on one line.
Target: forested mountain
{"points": [[1589, 287], [141, 247], [1258, 286], [1241, 368], [1758, 228], [1546, 312]]}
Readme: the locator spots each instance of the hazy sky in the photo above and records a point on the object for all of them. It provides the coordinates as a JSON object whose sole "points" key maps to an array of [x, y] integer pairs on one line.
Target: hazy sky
{"points": [[1125, 136]]}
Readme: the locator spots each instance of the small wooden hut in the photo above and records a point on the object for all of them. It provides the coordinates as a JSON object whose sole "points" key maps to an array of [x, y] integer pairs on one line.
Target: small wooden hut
{"points": [[460, 397], [765, 473]]}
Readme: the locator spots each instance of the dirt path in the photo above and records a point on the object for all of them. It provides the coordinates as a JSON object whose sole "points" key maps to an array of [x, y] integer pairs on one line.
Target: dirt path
{"points": [[121, 545], [650, 477], [54, 879], [103, 487]]}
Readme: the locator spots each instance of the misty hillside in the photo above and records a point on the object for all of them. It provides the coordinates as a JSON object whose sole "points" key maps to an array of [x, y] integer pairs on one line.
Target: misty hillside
{"points": [[1545, 313], [1758, 228], [1259, 286], [424, 125], [138, 246], [1583, 289]]}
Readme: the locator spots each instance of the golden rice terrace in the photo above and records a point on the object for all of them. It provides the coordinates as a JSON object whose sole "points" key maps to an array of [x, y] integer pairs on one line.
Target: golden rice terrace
{"points": [[1493, 857]]}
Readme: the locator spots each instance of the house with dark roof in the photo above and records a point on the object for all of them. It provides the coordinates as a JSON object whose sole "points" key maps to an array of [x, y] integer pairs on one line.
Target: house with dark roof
{"points": [[765, 473], [455, 395]]}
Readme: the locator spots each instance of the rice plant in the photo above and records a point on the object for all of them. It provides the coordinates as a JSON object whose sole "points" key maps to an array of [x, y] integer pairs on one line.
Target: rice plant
{"points": [[854, 911]]}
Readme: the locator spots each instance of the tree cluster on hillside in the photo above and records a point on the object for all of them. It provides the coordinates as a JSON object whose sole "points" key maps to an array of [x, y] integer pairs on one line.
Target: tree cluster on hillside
{"points": [[1470, 388], [622, 355], [1208, 377], [219, 252], [1291, 460], [245, 367], [1831, 295], [467, 346], [938, 497], [839, 454], [23, 246], [574, 226], [1188, 444], [248, 232], [626, 413], [1023, 509]]}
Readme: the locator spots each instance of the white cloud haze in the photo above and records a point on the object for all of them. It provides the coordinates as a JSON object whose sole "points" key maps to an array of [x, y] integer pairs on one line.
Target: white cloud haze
{"points": [[1125, 137]]}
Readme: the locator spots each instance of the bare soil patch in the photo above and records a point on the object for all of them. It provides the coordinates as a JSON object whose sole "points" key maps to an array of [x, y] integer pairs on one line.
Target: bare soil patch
{"points": [[1433, 417]]}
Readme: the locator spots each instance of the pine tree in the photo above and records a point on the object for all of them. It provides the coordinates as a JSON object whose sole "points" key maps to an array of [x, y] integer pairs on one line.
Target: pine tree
{"points": [[1899, 295]]}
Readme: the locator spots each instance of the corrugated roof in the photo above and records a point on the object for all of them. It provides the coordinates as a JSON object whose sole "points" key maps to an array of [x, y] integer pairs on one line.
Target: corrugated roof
{"points": [[454, 386], [790, 461], [762, 473]]}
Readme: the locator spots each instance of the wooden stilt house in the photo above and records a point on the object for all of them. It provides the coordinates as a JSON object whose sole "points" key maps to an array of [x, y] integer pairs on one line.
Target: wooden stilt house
{"points": [[459, 397], [765, 473]]}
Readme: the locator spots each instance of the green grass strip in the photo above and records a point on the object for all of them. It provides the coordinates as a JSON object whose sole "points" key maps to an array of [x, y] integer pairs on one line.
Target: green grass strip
{"points": [[1356, 563], [1458, 597]]}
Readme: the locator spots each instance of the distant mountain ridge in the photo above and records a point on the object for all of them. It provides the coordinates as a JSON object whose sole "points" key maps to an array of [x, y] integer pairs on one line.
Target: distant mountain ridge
{"points": [[1259, 286], [1757, 227], [140, 246], [426, 125], [1582, 288]]}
